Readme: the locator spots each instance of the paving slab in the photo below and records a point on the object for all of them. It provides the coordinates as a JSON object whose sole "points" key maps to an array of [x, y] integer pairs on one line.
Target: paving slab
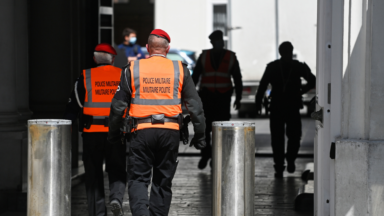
{"points": [[192, 190]]}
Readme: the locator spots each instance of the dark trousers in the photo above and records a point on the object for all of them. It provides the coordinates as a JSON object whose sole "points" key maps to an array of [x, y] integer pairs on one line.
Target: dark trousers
{"points": [[96, 149], [217, 107], [285, 122], [149, 149]]}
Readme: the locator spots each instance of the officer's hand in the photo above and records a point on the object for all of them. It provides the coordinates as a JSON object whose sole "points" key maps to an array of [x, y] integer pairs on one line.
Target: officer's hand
{"points": [[258, 110], [237, 105], [116, 140], [198, 141]]}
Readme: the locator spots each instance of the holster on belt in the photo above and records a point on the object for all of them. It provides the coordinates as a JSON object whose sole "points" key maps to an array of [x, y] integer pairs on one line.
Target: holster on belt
{"points": [[127, 124], [184, 132]]}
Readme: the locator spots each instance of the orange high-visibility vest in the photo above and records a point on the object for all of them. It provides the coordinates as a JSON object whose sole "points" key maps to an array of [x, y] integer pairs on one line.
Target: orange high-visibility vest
{"points": [[220, 79], [156, 89], [100, 85]]}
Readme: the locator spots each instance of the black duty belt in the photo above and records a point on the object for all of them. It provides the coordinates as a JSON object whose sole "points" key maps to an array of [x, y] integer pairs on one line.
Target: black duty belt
{"points": [[157, 119], [149, 120], [104, 121]]}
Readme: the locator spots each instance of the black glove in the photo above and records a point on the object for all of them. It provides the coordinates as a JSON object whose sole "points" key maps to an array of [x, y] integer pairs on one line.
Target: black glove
{"points": [[198, 141], [116, 140], [237, 105], [258, 110], [184, 132]]}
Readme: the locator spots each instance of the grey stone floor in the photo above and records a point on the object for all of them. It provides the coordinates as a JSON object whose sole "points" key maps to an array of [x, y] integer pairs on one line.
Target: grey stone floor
{"points": [[192, 187], [192, 190]]}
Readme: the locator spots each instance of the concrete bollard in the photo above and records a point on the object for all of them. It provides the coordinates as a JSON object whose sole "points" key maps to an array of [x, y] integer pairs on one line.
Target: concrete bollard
{"points": [[233, 168], [49, 167]]}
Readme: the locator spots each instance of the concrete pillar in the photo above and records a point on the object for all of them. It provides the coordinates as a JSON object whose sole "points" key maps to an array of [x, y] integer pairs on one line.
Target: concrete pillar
{"points": [[360, 149], [11, 131]]}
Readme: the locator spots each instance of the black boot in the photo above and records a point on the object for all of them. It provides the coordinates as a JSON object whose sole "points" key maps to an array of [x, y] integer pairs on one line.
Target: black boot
{"points": [[291, 167], [279, 171], [116, 208], [203, 163]]}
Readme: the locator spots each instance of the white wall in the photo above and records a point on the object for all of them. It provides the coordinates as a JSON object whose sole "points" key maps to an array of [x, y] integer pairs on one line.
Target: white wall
{"points": [[298, 24], [189, 22], [254, 43], [363, 97], [185, 21]]}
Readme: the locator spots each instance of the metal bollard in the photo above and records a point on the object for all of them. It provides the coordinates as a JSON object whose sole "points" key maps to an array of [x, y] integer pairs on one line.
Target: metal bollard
{"points": [[49, 167], [233, 168]]}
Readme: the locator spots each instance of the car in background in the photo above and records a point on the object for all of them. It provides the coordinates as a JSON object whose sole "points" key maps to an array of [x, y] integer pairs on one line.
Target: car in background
{"points": [[176, 55], [190, 54], [248, 105]]}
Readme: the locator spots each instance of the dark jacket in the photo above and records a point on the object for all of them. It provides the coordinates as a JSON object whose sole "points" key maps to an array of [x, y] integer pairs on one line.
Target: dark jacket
{"points": [[235, 72], [122, 100], [285, 79], [132, 50]]}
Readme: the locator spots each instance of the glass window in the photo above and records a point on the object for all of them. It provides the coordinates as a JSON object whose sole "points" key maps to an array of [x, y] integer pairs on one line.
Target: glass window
{"points": [[220, 18], [175, 57]]}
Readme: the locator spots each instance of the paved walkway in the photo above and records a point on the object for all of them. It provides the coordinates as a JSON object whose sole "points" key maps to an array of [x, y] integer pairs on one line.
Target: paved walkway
{"points": [[192, 187], [192, 190]]}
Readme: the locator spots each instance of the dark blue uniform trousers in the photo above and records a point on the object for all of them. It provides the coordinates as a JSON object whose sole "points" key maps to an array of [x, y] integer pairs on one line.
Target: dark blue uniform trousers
{"points": [[285, 122], [96, 149], [152, 153]]}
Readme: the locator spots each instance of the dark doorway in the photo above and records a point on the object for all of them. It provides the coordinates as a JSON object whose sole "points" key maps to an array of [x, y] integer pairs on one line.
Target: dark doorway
{"points": [[135, 14]]}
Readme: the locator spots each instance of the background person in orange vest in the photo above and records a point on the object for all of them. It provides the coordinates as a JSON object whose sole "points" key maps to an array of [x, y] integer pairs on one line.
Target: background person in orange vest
{"points": [[216, 67], [153, 89], [91, 99]]}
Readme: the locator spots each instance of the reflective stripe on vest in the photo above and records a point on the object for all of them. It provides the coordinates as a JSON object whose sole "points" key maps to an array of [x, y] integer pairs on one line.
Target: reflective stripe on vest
{"points": [[220, 79], [100, 85], [156, 89]]}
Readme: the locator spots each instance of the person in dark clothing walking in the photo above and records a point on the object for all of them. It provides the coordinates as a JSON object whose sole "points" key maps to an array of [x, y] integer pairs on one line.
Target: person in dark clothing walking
{"points": [[153, 89], [216, 67], [91, 102], [284, 75]]}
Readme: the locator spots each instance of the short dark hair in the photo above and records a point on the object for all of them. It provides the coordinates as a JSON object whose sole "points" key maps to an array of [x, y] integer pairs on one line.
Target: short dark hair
{"points": [[285, 47], [128, 31]]}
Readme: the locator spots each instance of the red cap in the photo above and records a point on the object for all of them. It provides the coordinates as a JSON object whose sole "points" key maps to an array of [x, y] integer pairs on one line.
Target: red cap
{"points": [[104, 47], [162, 34]]}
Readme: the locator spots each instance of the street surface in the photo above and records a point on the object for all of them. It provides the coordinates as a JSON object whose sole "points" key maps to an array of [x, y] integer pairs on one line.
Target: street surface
{"points": [[192, 189]]}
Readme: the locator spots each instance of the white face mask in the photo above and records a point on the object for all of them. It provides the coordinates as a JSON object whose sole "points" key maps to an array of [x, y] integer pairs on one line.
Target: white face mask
{"points": [[132, 40]]}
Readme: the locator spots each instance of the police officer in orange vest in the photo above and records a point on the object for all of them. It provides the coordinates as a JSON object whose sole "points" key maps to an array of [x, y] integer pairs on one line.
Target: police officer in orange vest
{"points": [[153, 89], [91, 99], [216, 67]]}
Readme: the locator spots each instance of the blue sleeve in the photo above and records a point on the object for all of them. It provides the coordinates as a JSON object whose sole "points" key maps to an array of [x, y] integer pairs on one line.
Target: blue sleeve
{"points": [[140, 52], [120, 46]]}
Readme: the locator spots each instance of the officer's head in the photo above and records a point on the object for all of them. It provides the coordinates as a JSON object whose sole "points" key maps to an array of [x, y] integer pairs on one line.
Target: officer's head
{"points": [[217, 39], [286, 50], [129, 36], [158, 42], [104, 54]]}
